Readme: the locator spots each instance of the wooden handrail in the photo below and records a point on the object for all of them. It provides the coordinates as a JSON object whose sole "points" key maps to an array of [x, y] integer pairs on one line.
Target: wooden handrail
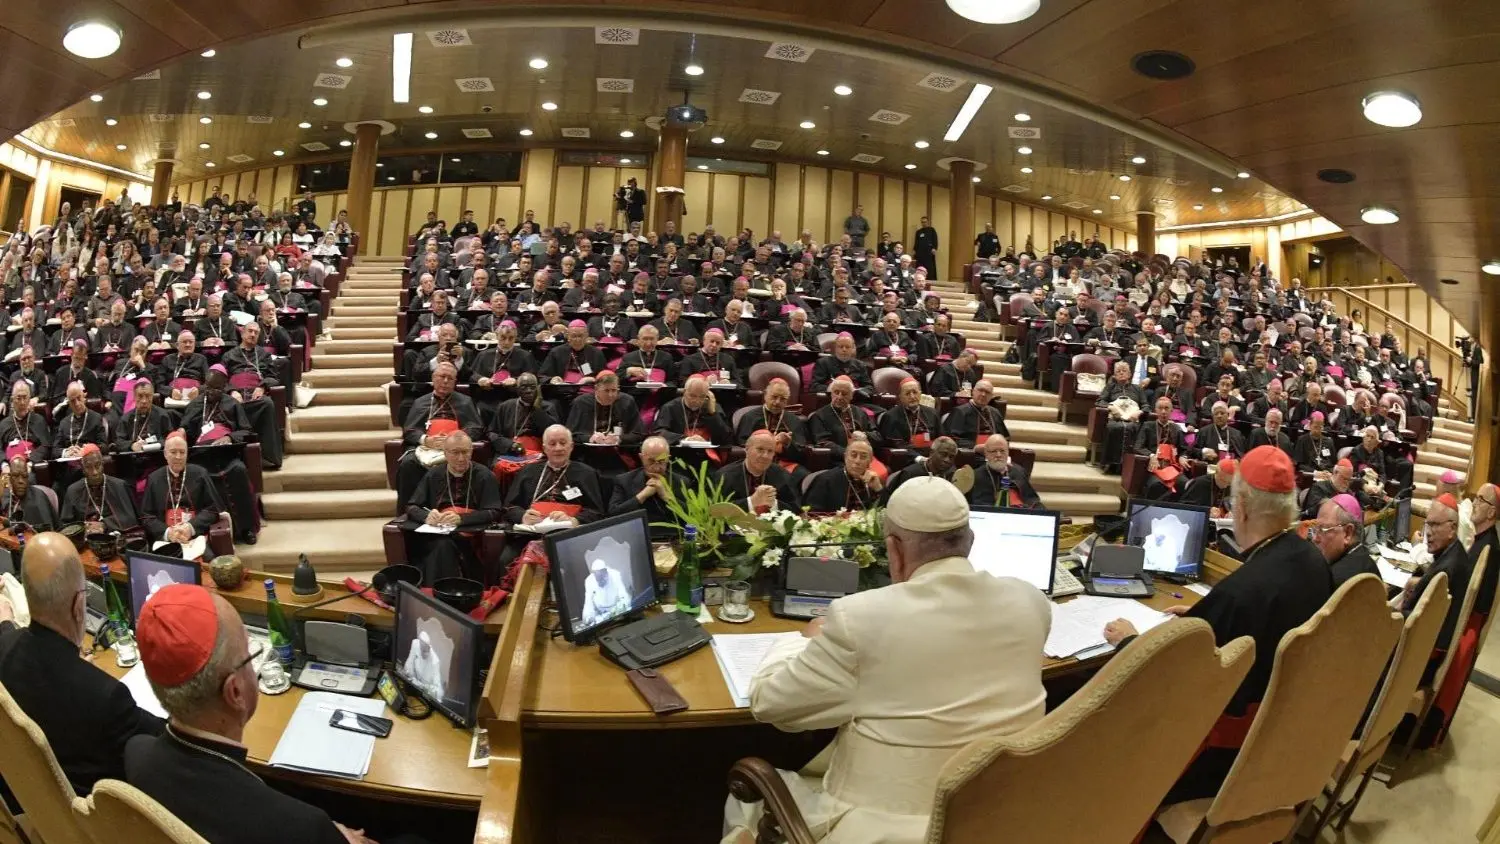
{"points": [[1454, 363], [501, 819]]}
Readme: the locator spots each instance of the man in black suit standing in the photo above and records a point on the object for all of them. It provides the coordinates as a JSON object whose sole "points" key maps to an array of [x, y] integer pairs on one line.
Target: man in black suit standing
{"points": [[86, 715]]}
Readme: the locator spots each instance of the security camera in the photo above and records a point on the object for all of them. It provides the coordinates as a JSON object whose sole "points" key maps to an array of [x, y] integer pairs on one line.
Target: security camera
{"points": [[486, 109]]}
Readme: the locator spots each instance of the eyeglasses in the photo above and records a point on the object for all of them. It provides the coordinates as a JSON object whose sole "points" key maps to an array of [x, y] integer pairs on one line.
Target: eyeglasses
{"points": [[1431, 522], [255, 653], [1315, 531]]}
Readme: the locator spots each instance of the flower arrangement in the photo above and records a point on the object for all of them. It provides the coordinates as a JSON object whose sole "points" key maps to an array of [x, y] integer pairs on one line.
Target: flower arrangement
{"points": [[771, 538]]}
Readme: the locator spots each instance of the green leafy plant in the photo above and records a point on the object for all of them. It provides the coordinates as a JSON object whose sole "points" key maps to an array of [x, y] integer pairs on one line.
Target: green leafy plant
{"points": [[693, 504]]}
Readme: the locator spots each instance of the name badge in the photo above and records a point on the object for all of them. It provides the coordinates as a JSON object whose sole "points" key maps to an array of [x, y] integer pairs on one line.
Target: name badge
{"points": [[571, 493], [609, 325], [585, 369], [1327, 452], [207, 426]]}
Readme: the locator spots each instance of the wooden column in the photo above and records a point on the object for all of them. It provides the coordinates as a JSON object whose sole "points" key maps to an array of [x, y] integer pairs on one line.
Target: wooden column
{"points": [[960, 232], [671, 162], [362, 177], [1145, 232], [161, 183]]}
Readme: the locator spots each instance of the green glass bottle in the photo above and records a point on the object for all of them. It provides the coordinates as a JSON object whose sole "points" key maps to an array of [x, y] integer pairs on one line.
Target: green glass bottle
{"points": [[279, 628], [114, 605], [689, 578]]}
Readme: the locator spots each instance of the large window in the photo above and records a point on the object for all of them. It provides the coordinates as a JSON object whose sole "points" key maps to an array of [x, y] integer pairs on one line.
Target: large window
{"points": [[327, 177], [725, 165], [464, 167], [396, 170], [391, 171]]}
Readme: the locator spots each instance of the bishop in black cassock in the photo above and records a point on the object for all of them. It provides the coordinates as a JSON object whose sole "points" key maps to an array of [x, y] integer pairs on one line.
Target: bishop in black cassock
{"points": [[179, 492], [97, 498], [460, 493]]}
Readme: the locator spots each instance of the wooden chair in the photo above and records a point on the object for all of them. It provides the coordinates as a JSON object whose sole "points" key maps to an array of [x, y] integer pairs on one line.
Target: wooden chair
{"points": [[11, 831], [1361, 755], [1317, 692], [40, 787], [1016, 782], [115, 812], [1070, 395]]}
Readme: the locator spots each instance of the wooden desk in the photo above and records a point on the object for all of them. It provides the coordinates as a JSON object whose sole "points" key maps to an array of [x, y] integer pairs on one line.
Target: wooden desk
{"points": [[573, 687], [422, 762]]}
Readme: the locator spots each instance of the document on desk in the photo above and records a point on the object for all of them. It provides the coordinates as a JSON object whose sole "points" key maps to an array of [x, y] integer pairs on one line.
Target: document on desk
{"points": [[140, 689], [310, 744], [1078, 625], [1391, 574], [740, 656], [438, 529]]}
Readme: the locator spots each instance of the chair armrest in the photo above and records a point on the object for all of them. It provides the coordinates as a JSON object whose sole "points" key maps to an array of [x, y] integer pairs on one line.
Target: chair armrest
{"points": [[1133, 473], [279, 401], [1067, 389], [398, 358], [394, 542], [816, 458], [754, 780], [1098, 422], [221, 536], [393, 451], [252, 465]]}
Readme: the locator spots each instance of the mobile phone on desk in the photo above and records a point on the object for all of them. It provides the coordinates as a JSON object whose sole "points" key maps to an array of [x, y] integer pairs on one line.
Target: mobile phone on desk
{"points": [[356, 722]]}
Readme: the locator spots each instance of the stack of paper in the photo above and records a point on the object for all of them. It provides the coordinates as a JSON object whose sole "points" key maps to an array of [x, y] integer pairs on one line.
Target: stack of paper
{"points": [[311, 744], [740, 655], [1078, 625], [1391, 574], [140, 689]]}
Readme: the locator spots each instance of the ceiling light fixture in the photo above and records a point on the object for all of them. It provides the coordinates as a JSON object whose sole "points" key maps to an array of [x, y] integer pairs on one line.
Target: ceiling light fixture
{"points": [[120, 147], [525, 133], [205, 95], [627, 134], [110, 121], [693, 70], [1026, 170], [1046, 197], [431, 136], [92, 39], [1216, 189], [205, 120], [1023, 117], [425, 109], [208, 54], [716, 140], [538, 63], [1114, 196], [346, 143], [209, 164], [1197, 207], [808, 124], [911, 166], [390, 178], [549, 106], [344, 61], [1379, 215], [203, 145], [921, 145], [1242, 175], [278, 153], [977, 96], [1124, 178], [624, 161], [401, 67], [822, 152], [304, 125], [1392, 108], [702, 166], [1139, 159], [843, 90], [98, 98], [1097, 211], [456, 160], [1023, 150], [320, 102], [995, 11], [1490, 268], [380, 164], [976, 180]]}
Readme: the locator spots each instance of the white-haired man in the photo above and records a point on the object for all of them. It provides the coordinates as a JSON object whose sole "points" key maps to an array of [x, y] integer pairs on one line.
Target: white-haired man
{"points": [[883, 691], [1449, 556]]}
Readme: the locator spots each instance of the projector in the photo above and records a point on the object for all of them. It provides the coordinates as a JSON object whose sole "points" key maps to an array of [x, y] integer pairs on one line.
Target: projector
{"points": [[686, 115]]}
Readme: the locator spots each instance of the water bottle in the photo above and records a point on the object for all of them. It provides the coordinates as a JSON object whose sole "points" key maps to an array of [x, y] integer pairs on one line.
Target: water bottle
{"points": [[689, 578], [279, 629]]}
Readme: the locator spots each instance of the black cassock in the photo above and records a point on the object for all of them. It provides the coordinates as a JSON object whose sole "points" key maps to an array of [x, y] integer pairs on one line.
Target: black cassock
{"points": [[426, 409], [34, 508], [740, 485], [476, 497], [576, 485], [513, 421], [257, 368], [968, 422], [630, 484], [905, 427], [110, 504], [192, 491], [1151, 435], [833, 490], [32, 430], [830, 428], [1011, 488], [588, 417], [223, 463]]}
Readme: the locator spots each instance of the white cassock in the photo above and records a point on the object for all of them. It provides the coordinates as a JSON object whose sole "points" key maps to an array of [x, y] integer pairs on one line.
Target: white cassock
{"points": [[909, 674], [423, 668], [603, 601]]}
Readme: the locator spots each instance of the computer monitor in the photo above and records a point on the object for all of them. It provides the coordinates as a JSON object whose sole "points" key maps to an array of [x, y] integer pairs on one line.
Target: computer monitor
{"points": [[1401, 530], [148, 573], [436, 653], [601, 572], [1174, 536], [1015, 543]]}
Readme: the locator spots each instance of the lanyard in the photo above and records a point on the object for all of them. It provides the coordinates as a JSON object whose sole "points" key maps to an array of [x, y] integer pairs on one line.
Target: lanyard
{"points": [[468, 479], [181, 488], [562, 475], [609, 419]]}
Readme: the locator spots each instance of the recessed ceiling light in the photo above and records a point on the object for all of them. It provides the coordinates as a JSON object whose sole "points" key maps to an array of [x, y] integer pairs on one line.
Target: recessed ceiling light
{"points": [[110, 121], [203, 145], [1139, 159], [624, 161], [1114, 196], [346, 143], [538, 63], [304, 125], [1378, 215], [1197, 207], [98, 98], [921, 145], [1124, 178], [208, 54], [822, 152], [320, 102], [549, 106], [1216, 189], [344, 61], [702, 166], [431, 136], [209, 164], [911, 166], [317, 172], [380, 164], [843, 90], [456, 160], [1097, 211], [278, 153], [120, 147], [1392, 108], [1025, 169], [995, 11], [716, 140], [425, 109], [1242, 174], [808, 124], [977, 95], [976, 180], [205, 95], [693, 70], [627, 134], [205, 120], [1046, 197], [525, 133], [1453, 282], [1023, 117], [1490, 268], [92, 39], [1023, 150]]}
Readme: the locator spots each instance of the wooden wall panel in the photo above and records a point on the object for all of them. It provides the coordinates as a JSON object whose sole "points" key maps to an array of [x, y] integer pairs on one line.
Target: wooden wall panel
{"points": [[814, 217], [567, 195], [917, 200], [449, 204], [867, 194], [285, 183], [840, 202], [756, 193], [940, 210], [786, 200], [1005, 225], [392, 206], [599, 196], [536, 184], [1057, 226], [892, 210], [420, 201], [508, 199], [695, 203], [724, 213]]}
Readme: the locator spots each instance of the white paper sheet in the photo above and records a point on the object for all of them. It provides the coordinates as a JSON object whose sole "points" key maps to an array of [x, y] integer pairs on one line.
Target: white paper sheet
{"points": [[740, 655], [140, 689], [309, 743], [1392, 575], [438, 529], [1201, 588], [1078, 625]]}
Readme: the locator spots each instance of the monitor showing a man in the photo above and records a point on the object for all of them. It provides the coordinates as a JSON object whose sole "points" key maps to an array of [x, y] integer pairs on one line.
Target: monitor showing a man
{"points": [[423, 667], [605, 592]]}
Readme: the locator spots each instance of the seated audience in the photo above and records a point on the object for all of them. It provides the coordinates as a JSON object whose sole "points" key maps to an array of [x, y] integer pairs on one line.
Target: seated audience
{"points": [[1000, 482], [852, 486], [180, 502], [459, 495]]}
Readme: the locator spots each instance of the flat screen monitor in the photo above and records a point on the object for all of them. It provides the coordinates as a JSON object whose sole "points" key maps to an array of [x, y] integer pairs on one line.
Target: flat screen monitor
{"points": [[436, 653], [1015, 543], [1174, 536], [148, 573], [1401, 530], [601, 572]]}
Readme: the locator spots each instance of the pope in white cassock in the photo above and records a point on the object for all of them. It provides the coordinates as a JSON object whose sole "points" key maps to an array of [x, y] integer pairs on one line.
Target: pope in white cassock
{"points": [[423, 669], [909, 674], [604, 593]]}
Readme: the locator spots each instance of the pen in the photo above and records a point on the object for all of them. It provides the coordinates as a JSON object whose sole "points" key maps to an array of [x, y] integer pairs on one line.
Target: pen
{"points": [[1177, 594]]}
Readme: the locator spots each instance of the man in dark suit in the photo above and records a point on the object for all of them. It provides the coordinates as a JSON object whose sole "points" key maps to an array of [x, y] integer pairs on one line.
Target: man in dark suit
{"points": [[757, 483], [1000, 482], [650, 487], [1448, 555], [86, 715], [1337, 532]]}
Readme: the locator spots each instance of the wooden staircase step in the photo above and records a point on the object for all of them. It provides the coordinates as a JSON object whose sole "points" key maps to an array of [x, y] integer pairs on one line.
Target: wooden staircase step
{"points": [[337, 545], [1030, 413], [323, 359], [1447, 461], [1050, 452], [353, 345], [343, 309], [1074, 477], [337, 471], [1017, 396], [372, 376], [347, 395], [1048, 432], [384, 332], [1082, 506], [324, 504], [355, 417], [386, 321], [335, 442]]}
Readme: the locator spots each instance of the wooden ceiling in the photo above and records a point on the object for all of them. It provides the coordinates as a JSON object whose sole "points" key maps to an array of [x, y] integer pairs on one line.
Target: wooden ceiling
{"points": [[1277, 89]]}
